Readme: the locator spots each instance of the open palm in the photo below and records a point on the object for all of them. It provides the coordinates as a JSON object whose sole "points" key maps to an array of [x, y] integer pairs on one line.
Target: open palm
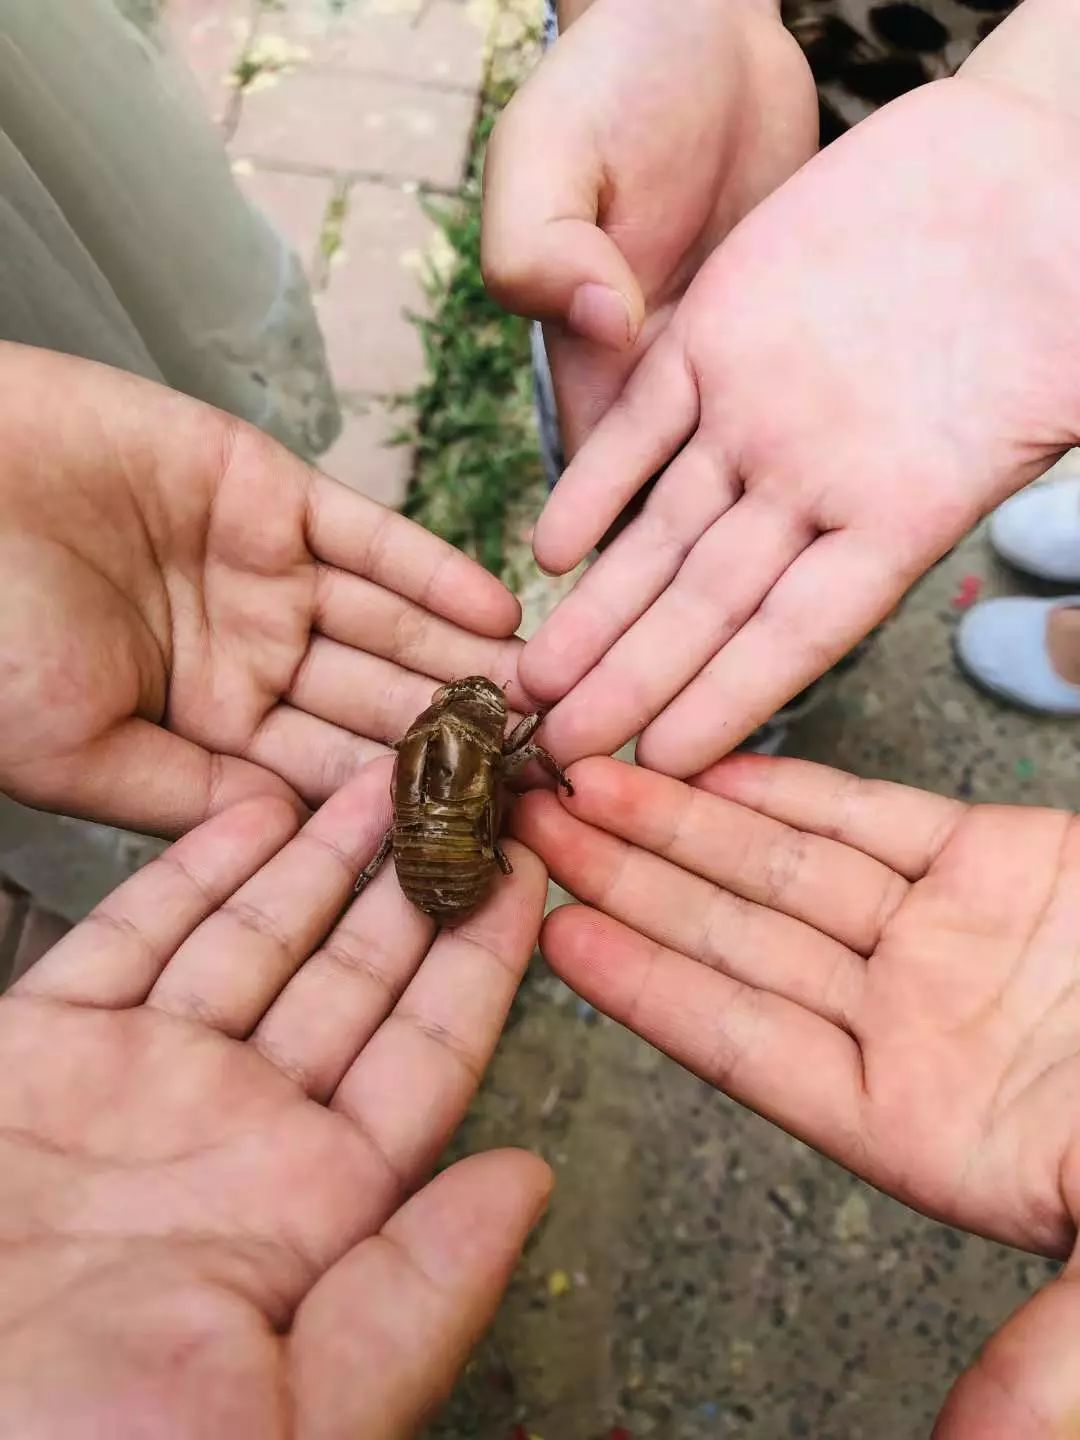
{"points": [[878, 355], [221, 1094], [192, 615], [893, 977]]}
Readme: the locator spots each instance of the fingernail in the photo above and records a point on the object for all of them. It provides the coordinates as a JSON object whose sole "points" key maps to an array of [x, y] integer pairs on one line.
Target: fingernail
{"points": [[599, 313]]}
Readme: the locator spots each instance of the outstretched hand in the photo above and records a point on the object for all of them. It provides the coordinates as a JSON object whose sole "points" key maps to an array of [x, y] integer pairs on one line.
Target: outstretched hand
{"points": [[881, 353], [892, 976], [192, 615], [644, 135], [225, 1093]]}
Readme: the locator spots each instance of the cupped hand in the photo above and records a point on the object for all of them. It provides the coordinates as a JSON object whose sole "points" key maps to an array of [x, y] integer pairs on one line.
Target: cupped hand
{"points": [[892, 976], [224, 1093], [882, 352], [192, 615], [644, 135]]}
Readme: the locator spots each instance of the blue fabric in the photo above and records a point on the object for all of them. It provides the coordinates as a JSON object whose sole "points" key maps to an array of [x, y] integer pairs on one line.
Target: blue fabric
{"points": [[551, 23], [547, 416]]}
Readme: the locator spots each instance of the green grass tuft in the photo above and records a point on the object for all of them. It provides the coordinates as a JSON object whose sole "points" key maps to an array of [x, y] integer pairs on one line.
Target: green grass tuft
{"points": [[478, 463]]}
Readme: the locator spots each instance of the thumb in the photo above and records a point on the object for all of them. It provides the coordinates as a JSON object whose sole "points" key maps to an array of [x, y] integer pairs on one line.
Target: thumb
{"points": [[542, 252], [1026, 1384], [381, 1339]]}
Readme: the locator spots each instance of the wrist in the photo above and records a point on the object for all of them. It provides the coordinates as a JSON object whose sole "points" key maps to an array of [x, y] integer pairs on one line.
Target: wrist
{"points": [[1034, 54]]}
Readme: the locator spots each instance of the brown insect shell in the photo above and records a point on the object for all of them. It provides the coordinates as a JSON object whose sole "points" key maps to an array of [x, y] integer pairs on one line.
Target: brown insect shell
{"points": [[447, 798]]}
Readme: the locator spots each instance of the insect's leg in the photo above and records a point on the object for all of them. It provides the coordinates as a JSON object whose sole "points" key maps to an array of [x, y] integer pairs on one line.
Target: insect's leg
{"points": [[521, 734], [537, 752], [375, 864], [503, 862]]}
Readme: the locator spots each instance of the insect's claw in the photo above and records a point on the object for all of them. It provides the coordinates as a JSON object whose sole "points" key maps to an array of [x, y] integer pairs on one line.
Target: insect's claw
{"points": [[375, 864]]}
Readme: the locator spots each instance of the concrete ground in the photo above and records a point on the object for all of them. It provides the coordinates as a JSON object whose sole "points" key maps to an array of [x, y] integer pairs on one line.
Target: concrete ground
{"points": [[349, 112], [699, 1274]]}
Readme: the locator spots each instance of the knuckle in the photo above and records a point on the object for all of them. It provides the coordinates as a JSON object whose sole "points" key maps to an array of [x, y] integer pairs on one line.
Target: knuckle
{"points": [[255, 921], [508, 275], [379, 541], [289, 1065], [408, 636], [363, 956], [115, 926], [171, 865], [342, 762], [734, 1038], [782, 864], [800, 627], [330, 848], [447, 1040]]}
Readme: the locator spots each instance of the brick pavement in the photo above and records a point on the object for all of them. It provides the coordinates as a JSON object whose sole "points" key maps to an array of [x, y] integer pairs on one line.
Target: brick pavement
{"points": [[350, 110]]}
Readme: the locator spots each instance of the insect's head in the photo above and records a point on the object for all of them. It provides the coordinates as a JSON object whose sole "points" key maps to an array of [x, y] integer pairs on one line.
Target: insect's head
{"points": [[476, 690]]}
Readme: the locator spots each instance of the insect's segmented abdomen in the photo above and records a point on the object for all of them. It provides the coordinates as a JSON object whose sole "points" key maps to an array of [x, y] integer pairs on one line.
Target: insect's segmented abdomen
{"points": [[439, 856]]}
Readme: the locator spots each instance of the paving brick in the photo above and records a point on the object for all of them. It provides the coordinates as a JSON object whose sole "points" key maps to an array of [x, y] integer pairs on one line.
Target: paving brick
{"points": [[211, 35], [372, 346], [296, 205], [357, 123], [441, 43], [362, 459]]}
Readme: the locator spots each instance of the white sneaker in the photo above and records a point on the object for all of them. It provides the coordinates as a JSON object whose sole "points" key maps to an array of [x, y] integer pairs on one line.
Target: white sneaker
{"points": [[1039, 530], [1002, 645]]}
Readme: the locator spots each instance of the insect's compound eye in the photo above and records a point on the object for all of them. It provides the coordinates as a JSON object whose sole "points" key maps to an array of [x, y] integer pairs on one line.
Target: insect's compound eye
{"points": [[440, 695]]}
